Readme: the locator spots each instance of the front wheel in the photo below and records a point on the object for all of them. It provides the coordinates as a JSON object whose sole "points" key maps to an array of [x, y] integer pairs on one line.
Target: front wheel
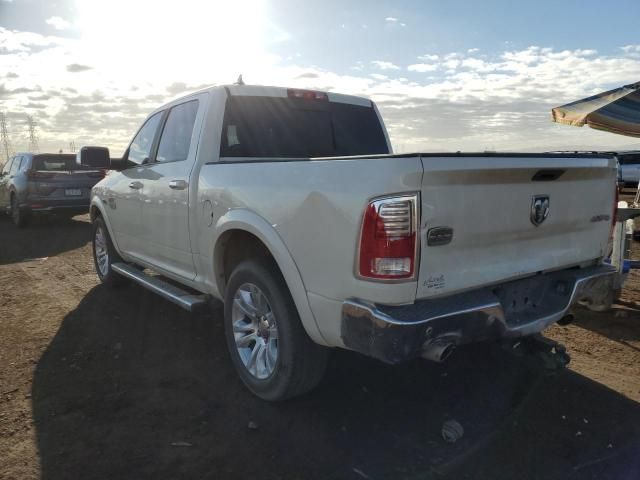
{"points": [[20, 218], [104, 255], [269, 348]]}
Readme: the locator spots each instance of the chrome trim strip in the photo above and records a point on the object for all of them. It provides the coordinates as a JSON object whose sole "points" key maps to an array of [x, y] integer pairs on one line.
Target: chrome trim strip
{"points": [[356, 309]]}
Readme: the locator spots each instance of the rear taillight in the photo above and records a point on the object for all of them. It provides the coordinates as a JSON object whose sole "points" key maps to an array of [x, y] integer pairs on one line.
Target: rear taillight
{"points": [[36, 174], [388, 238], [616, 199]]}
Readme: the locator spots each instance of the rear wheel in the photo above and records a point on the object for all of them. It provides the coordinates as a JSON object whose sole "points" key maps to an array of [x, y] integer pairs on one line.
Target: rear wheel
{"points": [[104, 255], [19, 217], [269, 348]]}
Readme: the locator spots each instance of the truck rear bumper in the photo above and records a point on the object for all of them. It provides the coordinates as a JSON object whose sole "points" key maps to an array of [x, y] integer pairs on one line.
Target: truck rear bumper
{"points": [[506, 311]]}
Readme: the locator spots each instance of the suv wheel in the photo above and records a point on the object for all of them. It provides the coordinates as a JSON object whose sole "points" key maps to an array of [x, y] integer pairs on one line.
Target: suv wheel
{"points": [[269, 348], [19, 217], [104, 255]]}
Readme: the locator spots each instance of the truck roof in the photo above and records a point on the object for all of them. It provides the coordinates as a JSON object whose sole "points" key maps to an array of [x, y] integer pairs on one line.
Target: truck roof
{"points": [[270, 91]]}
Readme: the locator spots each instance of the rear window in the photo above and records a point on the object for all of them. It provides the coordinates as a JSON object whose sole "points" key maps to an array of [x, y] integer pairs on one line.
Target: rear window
{"points": [[55, 163], [297, 128], [629, 159]]}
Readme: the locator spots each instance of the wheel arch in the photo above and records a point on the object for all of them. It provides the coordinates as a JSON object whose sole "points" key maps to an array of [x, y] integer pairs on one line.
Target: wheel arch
{"points": [[96, 209], [242, 233]]}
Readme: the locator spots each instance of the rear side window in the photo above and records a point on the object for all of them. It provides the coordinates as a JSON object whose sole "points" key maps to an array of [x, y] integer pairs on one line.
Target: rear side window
{"points": [[176, 134], [140, 148], [633, 159], [55, 163], [298, 128]]}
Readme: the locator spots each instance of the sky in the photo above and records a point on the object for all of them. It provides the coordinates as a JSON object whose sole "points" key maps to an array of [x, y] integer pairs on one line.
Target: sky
{"points": [[447, 76]]}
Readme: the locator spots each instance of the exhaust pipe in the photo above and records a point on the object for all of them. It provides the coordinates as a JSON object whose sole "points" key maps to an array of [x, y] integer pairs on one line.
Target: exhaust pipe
{"points": [[438, 350]]}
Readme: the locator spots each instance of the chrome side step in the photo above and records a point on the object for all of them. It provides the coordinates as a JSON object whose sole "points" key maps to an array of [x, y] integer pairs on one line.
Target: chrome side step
{"points": [[182, 298]]}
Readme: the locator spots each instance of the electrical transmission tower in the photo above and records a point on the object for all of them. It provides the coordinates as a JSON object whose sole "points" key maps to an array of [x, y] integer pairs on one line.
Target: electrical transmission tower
{"points": [[33, 138], [72, 146], [6, 145]]}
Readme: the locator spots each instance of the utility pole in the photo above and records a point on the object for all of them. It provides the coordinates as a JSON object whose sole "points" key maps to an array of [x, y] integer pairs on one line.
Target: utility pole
{"points": [[6, 145], [33, 138]]}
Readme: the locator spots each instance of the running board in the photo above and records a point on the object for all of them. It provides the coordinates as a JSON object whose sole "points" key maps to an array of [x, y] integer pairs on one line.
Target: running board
{"points": [[182, 298]]}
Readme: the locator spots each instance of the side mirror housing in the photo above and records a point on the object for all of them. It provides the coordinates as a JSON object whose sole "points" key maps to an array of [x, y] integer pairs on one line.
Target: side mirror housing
{"points": [[94, 157]]}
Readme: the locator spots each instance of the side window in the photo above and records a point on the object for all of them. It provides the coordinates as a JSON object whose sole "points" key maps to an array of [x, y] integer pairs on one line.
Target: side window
{"points": [[176, 135], [140, 148], [7, 166], [16, 165]]}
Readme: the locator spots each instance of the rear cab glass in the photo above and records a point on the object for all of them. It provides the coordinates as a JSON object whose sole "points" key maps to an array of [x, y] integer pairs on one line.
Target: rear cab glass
{"points": [[272, 127], [55, 163], [629, 159]]}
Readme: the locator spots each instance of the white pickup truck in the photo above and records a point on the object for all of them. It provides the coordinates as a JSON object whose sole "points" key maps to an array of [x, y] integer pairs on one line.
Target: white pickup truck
{"points": [[289, 206]]}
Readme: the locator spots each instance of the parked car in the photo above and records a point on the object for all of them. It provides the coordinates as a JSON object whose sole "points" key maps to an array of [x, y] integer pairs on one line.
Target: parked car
{"points": [[45, 184], [289, 206], [629, 168]]}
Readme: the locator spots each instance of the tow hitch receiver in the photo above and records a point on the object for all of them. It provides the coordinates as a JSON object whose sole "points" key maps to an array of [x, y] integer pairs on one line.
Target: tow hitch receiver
{"points": [[553, 354]]}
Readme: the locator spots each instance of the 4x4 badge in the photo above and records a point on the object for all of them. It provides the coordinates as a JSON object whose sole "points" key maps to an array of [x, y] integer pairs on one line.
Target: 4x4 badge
{"points": [[539, 209]]}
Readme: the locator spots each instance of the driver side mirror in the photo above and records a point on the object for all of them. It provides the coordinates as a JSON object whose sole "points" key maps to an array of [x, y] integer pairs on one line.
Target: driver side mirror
{"points": [[94, 157]]}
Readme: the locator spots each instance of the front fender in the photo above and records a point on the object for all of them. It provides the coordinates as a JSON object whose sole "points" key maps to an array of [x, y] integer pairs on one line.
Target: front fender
{"points": [[98, 204], [251, 222]]}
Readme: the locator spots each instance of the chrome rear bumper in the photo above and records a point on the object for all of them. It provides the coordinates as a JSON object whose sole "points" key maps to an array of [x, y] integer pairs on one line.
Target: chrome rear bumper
{"points": [[505, 311]]}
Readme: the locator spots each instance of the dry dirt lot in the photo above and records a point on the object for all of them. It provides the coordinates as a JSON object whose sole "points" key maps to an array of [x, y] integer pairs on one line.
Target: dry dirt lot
{"points": [[99, 384]]}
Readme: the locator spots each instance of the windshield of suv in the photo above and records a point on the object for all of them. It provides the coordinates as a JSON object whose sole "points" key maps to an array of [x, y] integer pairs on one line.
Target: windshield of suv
{"points": [[297, 128]]}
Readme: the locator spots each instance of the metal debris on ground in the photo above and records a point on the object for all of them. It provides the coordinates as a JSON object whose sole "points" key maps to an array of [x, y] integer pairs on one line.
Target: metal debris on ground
{"points": [[360, 472], [252, 425], [452, 431]]}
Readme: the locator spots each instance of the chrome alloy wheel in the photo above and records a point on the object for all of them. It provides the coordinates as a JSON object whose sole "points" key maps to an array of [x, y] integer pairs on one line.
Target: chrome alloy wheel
{"points": [[255, 331], [102, 253]]}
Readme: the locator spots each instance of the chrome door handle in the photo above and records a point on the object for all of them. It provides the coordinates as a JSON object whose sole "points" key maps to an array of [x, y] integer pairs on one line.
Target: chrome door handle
{"points": [[135, 185], [178, 184]]}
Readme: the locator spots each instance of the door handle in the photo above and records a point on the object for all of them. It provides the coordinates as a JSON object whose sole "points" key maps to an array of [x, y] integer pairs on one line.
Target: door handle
{"points": [[178, 184], [135, 185]]}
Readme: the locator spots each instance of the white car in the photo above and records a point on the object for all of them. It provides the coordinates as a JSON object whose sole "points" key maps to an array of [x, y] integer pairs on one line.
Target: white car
{"points": [[289, 206]]}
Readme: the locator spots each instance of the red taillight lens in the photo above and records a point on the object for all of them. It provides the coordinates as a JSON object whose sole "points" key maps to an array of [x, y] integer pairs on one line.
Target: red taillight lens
{"points": [[388, 238], [35, 174], [615, 211], [307, 94]]}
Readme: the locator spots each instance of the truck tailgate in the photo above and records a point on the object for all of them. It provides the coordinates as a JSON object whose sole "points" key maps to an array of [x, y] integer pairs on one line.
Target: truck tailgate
{"points": [[487, 201]]}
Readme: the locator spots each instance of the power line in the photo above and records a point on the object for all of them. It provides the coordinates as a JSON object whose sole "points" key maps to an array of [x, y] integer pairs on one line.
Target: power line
{"points": [[6, 144], [33, 137]]}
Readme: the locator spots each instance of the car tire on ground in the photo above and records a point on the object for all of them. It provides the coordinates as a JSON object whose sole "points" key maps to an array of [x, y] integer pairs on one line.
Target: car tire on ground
{"points": [[19, 217], [269, 347], [104, 255]]}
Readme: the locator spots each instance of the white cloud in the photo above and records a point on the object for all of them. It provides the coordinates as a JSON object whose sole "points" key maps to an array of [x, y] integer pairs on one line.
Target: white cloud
{"points": [[422, 67], [469, 101], [391, 19], [383, 65], [58, 23]]}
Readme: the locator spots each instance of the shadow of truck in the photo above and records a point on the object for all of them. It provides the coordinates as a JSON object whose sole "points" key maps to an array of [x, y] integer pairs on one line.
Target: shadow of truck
{"points": [[133, 387]]}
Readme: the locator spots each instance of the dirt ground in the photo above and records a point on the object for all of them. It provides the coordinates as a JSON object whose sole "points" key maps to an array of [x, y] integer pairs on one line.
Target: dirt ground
{"points": [[100, 384]]}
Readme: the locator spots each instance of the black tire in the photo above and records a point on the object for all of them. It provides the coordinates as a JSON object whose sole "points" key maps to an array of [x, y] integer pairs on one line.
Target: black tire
{"points": [[105, 274], [300, 363], [20, 218]]}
